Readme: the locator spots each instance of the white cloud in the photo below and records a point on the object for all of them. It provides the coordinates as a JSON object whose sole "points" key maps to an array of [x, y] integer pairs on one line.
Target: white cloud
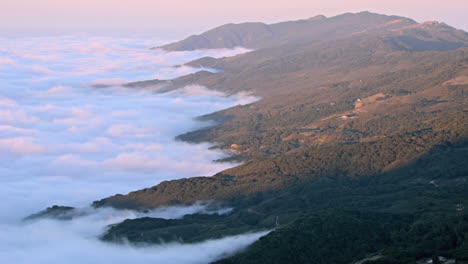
{"points": [[109, 82], [244, 98], [241, 98]]}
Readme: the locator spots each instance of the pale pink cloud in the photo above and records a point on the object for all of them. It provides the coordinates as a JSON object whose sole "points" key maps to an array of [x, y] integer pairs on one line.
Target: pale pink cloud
{"points": [[104, 144], [133, 160], [48, 108], [78, 126], [123, 113], [20, 145], [6, 61], [16, 130], [144, 147], [38, 57], [7, 102], [121, 130], [86, 67], [80, 113], [100, 144], [174, 17], [73, 161], [142, 162], [41, 70], [126, 160], [80, 119], [77, 116], [12, 116], [58, 90], [99, 48]]}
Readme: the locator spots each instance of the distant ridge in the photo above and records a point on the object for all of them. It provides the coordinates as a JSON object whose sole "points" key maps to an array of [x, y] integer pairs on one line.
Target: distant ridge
{"points": [[257, 35]]}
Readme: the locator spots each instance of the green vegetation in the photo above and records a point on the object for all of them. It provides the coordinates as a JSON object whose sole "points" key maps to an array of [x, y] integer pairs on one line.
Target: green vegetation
{"points": [[415, 194], [341, 237], [191, 228]]}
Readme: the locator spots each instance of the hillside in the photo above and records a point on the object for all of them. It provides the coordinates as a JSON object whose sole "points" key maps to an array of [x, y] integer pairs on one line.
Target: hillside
{"points": [[360, 136], [297, 66], [343, 237]]}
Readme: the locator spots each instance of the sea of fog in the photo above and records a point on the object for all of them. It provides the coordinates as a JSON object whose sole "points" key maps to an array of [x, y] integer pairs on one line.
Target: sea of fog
{"points": [[63, 141]]}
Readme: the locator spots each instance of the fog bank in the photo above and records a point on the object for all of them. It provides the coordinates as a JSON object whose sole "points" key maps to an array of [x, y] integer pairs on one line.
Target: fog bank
{"points": [[64, 142]]}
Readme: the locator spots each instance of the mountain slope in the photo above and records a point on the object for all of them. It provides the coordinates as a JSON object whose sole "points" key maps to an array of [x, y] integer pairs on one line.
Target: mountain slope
{"points": [[370, 124], [293, 137]]}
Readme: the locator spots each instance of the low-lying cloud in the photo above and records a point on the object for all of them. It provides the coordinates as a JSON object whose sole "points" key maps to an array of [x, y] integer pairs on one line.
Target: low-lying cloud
{"points": [[241, 98], [76, 240], [64, 142]]}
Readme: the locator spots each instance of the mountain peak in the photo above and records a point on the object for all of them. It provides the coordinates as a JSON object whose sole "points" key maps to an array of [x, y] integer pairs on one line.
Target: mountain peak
{"points": [[401, 21], [435, 24], [317, 18]]}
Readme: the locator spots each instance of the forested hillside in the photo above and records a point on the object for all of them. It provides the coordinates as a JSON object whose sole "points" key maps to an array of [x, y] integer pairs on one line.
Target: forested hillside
{"points": [[356, 152]]}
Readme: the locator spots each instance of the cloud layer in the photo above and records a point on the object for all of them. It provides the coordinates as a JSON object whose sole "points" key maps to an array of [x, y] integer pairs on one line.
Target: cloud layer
{"points": [[64, 142], [75, 241]]}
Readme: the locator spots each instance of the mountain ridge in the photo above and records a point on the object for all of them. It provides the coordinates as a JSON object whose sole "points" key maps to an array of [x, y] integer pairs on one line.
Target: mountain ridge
{"points": [[320, 60], [260, 35]]}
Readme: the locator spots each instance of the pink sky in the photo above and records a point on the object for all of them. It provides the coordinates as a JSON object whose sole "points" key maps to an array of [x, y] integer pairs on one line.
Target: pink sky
{"points": [[176, 18]]}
